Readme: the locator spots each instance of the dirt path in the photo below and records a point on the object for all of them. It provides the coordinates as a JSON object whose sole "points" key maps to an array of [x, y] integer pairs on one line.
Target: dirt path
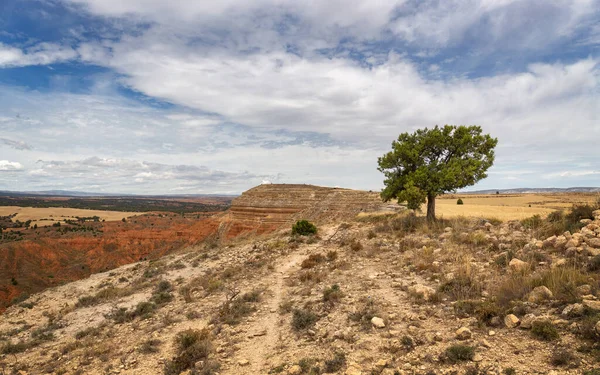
{"points": [[263, 335]]}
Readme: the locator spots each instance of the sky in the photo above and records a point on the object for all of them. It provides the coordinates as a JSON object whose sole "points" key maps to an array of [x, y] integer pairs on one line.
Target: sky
{"points": [[197, 97]]}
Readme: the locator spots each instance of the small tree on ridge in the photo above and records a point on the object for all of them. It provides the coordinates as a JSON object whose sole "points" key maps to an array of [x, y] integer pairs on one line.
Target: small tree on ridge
{"points": [[430, 162]]}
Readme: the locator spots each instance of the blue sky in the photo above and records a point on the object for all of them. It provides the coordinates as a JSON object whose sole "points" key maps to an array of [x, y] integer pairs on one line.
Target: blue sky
{"points": [[150, 96]]}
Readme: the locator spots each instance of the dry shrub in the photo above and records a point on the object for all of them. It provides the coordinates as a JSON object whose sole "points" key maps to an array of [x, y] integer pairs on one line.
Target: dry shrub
{"points": [[332, 294], [311, 276], [366, 311], [562, 281], [192, 347], [303, 319], [355, 245], [233, 310], [425, 258], [465, 284], [312, 261]]}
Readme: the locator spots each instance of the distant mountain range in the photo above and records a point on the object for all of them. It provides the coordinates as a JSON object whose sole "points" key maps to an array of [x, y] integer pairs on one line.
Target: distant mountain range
{"points": [[66, 193], [536, 190]]}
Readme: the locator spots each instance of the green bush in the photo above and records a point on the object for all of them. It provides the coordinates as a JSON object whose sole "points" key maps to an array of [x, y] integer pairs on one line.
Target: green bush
{"points": [[303, 319], [304, 228], [458, 353], [459, 201], [332, 294], [544, 330]]}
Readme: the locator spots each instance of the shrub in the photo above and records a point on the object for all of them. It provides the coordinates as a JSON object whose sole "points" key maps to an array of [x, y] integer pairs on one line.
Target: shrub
{"points": [[484, 311], [312, 261], [462, 286], [594, 264], [336, 363], [459, 201], [303, 319], [304, 228], [533, 222], [544, 330], [364, 315], [509, 371], [149, 346], [457, 353], [564, 358], [233, 311], [355, 245], [408, 342], [332, 294], [595, 371], [191, 346]]}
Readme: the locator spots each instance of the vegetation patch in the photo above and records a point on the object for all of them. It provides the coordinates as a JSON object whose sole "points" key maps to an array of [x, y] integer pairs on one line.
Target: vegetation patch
{"points": [[303, 319], [304, 228]]}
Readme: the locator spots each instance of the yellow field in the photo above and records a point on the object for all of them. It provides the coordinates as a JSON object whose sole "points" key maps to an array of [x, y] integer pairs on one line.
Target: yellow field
{"points": [[49, 216], [508, 207]]}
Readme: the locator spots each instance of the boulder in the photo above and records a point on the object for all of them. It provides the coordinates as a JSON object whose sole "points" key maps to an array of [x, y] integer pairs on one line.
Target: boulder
{"points": [[527, 321], [295, 370], [463, 333], [593, 242], [377, 322], [540, 294], [584, 290], [518, 265], [573, 310], [511, 321], [423, 291], [594, 305], [572, 243]]}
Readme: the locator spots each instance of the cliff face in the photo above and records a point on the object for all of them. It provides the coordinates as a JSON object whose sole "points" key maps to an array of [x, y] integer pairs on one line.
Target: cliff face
{"points": [[47, 257], [267, 207]]}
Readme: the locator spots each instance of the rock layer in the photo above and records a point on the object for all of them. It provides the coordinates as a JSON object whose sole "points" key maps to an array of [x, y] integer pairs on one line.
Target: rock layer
{"points": [[267, 207]]}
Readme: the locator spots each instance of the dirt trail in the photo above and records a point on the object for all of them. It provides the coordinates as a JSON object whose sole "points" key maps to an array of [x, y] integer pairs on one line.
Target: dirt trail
{"points": [[263, 335]]}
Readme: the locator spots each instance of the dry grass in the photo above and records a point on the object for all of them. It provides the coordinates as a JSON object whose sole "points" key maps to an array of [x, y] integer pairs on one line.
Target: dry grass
{"points": [[508, 206], [44, 216]]}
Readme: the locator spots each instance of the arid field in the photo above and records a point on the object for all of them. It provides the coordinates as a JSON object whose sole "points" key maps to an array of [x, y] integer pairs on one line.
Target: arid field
{"points": [[508, 206], [49, 216]]}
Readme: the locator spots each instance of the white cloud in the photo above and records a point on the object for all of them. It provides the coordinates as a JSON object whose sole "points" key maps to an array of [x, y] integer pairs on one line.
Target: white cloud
{"points": [[39, 54], [10, 166]]}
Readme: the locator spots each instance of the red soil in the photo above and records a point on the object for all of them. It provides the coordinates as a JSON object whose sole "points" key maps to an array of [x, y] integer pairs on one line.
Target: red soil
{"points": [[47, 257]]}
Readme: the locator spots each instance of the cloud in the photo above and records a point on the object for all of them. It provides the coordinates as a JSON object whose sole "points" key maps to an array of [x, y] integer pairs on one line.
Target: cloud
{"points": [[140, 176], [10, 166], [17, 145], [277, 87], [39, 54]]}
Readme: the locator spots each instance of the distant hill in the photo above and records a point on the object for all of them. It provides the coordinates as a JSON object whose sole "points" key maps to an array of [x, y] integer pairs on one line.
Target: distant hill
{"points": [[67, 193], [536, 190]]}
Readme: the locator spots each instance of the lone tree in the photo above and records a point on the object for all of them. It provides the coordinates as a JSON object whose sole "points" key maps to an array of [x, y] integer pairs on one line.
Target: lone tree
{"points": [[434, 161]]}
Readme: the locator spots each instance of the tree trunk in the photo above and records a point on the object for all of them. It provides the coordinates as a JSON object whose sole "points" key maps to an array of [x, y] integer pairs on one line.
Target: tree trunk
{"points": [[430, 207]]}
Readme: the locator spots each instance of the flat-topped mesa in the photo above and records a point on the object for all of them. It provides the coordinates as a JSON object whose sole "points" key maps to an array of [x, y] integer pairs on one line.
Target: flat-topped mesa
{"points": [[267, 207]]}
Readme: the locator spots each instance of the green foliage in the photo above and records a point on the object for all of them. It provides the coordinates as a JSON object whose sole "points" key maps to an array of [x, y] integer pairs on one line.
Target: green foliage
{"points": [[304, 228], [459, 201], [332, 294], [458, 353], [433, 161], [192, 346], [303, 319], [544, 330]]}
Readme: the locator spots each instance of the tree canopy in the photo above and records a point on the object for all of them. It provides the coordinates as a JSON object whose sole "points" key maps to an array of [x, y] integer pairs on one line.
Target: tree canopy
{"points": [[434, 161]]}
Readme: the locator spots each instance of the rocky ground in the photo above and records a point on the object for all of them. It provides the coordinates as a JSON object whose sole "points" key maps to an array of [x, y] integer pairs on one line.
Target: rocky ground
{"points": [[380, 295]]}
